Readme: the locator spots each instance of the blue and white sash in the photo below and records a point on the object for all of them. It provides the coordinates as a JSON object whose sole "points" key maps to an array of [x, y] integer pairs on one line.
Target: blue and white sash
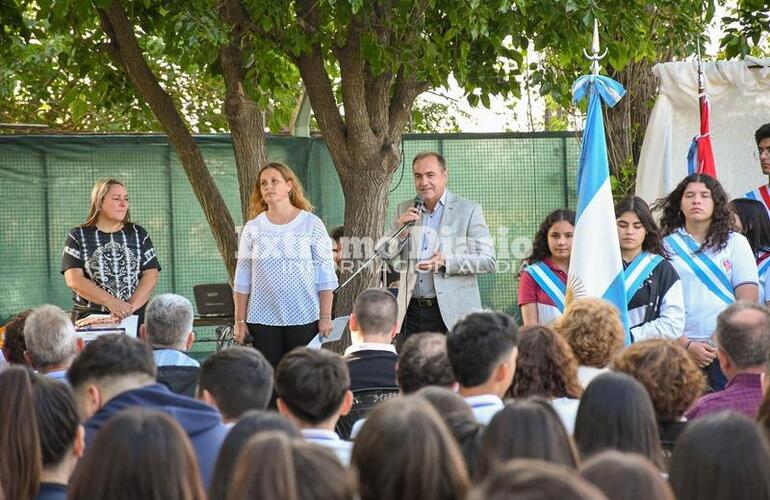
{"points": [[704, 268], [555, 288], [638, 271], [763, 264]]}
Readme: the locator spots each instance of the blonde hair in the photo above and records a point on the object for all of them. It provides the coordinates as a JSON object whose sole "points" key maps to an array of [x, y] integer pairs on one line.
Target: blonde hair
{"points": [[593, 329], [98, 193], [296, 195]]}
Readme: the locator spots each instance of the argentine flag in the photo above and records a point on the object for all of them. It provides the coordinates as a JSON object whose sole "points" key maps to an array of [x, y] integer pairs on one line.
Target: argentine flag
{"points": [[596, 266]]}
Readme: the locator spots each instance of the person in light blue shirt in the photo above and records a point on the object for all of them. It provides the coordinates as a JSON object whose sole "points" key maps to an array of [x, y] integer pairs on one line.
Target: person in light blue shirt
{"points": [[51, 341]]}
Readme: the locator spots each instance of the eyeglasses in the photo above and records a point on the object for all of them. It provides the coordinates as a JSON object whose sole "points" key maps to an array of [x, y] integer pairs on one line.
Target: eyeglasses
{"points": [[760, 152]]}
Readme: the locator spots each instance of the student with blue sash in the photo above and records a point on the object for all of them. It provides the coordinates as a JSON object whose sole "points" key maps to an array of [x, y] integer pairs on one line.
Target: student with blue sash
{"points": [[543, 282], [715, 263], [653, 287], [752, 221]]}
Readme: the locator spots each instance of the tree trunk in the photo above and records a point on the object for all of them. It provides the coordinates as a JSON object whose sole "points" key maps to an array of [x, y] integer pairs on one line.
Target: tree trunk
{"points": [[124, 43]]}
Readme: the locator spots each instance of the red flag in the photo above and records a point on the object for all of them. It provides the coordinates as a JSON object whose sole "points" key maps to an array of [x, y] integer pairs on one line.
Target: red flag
{"points": [[705, 153]]}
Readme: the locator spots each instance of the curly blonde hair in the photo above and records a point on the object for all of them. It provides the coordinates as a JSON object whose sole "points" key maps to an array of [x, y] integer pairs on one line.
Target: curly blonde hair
{"points": [[593, 329], [669, 374]]}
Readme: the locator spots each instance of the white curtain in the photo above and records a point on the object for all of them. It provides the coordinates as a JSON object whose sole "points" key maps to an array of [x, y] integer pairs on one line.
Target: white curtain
{"points": [[740, 103]]}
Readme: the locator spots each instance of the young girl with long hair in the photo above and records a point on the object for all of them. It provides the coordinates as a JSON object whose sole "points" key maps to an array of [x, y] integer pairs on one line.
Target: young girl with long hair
{"points": [[752, 221]]}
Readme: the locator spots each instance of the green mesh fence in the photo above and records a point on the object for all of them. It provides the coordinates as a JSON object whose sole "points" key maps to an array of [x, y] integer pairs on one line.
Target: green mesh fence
{"points": [[45, 183]]}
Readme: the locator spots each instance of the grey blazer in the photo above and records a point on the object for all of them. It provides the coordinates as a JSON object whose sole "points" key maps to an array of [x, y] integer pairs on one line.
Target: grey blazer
{"points": [[468, 250]]}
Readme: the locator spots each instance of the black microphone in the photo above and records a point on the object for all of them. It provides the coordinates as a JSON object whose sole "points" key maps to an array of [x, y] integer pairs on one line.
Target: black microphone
{"points": [[419, 203]]}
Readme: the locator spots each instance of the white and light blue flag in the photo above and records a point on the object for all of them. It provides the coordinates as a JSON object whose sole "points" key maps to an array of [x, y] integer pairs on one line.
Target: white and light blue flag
{"points": [[596, 266]]}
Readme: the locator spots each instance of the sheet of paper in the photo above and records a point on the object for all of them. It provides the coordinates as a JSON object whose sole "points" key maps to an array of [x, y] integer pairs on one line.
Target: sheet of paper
{"points": [[128, 326], [338, 327]]}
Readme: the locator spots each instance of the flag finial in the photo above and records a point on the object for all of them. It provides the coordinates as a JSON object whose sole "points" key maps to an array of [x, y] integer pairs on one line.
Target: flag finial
{"points": [[594, 57]]}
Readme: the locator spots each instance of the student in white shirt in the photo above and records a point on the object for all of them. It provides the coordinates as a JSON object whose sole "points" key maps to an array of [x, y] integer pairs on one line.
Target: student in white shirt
{"points": [[482, 351], [752, 221], [285, 274], [715, 263], [313, 390]]}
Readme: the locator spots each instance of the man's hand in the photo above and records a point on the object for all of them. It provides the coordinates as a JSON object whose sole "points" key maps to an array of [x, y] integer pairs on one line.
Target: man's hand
{"points": [[120, 308], [411, 215], [435, 263], [702, 353]]}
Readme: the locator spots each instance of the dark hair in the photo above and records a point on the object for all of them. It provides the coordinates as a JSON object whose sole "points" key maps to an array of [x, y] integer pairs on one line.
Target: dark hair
{"points": [[312, 383], [626, 476], [528, 428], [670, 376], [723, 455], [616, 413], [239, 379], [376, 311], [156, 460], [546, 365], [56, 415], [405, 451], [112, 355], [540, 242], [20, 456], [251, 423], [746, 342], [672, 217], [653, 241], [762, 132], [295, 470], [427, 154], [525, 479], [13, 339], [755, 222], [477, 343], [337, 233], [422, 362], [459, 419]]}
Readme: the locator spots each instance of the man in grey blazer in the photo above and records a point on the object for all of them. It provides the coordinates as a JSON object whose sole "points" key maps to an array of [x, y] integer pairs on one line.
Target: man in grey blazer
{"points": [[441, 254]]}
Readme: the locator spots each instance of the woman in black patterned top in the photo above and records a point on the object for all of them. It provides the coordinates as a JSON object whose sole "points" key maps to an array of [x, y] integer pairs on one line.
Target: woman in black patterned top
{"points": [[109, 262]]}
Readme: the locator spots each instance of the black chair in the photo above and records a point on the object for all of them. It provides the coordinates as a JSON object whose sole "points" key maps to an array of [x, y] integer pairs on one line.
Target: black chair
{"points": [[364, 400]]}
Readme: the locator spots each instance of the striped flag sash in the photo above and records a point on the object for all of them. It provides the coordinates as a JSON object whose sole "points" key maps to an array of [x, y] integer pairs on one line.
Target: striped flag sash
{"points": [[638, 271], [704, 268], [547, 280]]}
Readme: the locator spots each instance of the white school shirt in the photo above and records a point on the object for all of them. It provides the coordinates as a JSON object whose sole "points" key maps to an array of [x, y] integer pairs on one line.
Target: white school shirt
{"points": [[330, 440], [701, 305], [485, 407], [282, 267]]}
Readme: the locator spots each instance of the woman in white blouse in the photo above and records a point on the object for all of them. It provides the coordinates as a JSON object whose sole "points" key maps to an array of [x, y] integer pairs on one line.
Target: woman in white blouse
{"points": [[285, 274]]}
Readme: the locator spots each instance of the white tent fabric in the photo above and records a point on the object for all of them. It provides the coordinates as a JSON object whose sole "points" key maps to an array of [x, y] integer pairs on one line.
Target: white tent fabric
{"points": [[740, 103]]}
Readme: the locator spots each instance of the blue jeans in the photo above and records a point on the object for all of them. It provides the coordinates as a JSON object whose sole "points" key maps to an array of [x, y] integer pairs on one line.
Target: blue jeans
{"points": [[715, 379]]}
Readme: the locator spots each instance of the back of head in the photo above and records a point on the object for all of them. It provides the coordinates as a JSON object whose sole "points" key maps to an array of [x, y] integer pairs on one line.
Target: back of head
{"points": [[156, 460], [13, 338], [526, 429], [405, 451], [423, 362], [20, 457], [250, 424], [546, 366], [446, 402], [112, 356], [477, 343], [667, 372], [626, 476], [57, 419], [297, 470], [168, 321], [239, 379], [724, 455], [743, 333], [616, 413], [50, 337], [593, 329], [523, 479], [376, 312], [312, 384]]}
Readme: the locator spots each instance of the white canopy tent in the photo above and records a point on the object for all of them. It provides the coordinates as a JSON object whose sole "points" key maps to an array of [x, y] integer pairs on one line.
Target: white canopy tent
{"points": [[739, 92]]}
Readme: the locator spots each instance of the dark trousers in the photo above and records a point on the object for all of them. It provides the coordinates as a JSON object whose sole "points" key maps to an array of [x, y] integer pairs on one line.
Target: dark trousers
{"points": [[422, 315], [715, 378], [275, 341]]}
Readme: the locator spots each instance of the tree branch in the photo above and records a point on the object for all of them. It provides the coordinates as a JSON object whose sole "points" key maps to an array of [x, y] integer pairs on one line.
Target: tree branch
{"points": [[406, 89]]}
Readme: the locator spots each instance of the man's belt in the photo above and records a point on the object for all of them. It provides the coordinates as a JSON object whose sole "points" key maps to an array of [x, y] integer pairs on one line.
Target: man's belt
{"points": [[427, 303]]}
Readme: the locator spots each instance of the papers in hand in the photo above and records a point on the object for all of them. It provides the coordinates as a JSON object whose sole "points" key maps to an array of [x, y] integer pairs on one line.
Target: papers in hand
{"points": [[99, 325], [338, 327]]}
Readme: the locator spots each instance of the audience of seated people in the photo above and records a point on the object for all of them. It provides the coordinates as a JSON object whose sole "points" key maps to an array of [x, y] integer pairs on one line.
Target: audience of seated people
{"points": [[594, 331], [372, 357], [547, 368], [234, 381], [51, 341], [168, 328], [482, 350], [487, 411]]}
